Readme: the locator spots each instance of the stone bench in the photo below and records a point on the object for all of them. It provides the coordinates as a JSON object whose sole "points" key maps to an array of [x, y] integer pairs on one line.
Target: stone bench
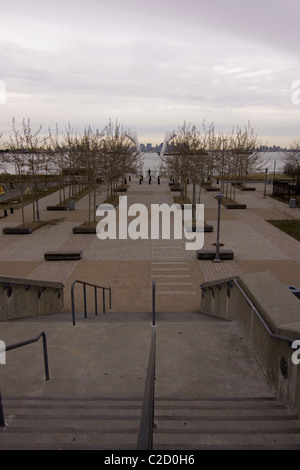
{"points": [[57, 208], [16, 230], [62, 255], [235, 206], [84, 229], [211, 254]]}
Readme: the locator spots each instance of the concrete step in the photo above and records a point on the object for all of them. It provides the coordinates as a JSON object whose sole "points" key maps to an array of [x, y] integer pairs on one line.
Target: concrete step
{"points": [[57, 423], [104, 423], [225, 423], [123, 317]]}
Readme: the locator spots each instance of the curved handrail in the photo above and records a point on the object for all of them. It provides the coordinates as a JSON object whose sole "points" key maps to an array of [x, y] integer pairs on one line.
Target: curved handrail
{"points": [[46, 364], [145, 436], [84, 297], [269, 331], [34, 340], [273, 335]]}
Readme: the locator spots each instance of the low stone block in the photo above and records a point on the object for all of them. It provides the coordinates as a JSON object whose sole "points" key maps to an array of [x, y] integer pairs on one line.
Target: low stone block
{"points": [[82, 229], [57, 208], [208, 228], [235, 206], [62, 255], [211, 254], [17, 230]]}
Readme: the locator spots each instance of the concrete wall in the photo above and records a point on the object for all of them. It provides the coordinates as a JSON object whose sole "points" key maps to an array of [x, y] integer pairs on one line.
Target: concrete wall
{"points": [[25, 297], [279, 310]]}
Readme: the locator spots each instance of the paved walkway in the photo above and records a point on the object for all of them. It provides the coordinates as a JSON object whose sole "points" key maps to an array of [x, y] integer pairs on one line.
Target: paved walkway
{"points": [[130, 266], [106, 358]]}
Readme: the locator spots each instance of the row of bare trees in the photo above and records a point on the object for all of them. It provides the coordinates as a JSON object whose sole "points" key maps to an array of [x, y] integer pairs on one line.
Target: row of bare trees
{"points": [[199, 155], [292, 162], [78, 160]]}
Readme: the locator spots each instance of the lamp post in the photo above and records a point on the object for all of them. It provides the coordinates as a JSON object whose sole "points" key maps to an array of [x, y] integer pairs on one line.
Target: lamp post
{"points": [[217, 257], [265, 188]]}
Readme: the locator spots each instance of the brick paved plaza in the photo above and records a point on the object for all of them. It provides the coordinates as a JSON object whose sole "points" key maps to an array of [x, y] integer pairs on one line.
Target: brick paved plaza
{"points": [[130, 266]]}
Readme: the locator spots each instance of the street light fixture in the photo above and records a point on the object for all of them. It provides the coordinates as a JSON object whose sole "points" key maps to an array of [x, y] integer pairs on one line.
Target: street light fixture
{"points": [[217, 256], [265, 188]]}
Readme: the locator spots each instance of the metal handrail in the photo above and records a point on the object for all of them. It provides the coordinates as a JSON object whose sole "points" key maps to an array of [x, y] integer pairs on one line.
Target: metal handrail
{"points": [[84, 298], [273, 335], [145, 436], [269, 331], [46, 364], [153, 303]]}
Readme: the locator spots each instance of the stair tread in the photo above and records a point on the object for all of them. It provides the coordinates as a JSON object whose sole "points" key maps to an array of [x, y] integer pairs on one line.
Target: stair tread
{"points": [[91, 422]]}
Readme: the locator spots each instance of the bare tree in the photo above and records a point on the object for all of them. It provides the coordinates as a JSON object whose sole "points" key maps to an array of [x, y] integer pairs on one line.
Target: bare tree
{"points": [[89, 158], [24, 153], [57, 160], [239, 154], [292, 162], [188, 154], [120, 156]]}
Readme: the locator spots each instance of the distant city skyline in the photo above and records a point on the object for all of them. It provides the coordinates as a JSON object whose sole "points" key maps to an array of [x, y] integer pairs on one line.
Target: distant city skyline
{"points": [[149, 147], [152, 65]]}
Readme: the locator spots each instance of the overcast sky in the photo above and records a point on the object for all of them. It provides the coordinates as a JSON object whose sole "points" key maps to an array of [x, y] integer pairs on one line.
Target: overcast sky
{"points": [[152, 65]]}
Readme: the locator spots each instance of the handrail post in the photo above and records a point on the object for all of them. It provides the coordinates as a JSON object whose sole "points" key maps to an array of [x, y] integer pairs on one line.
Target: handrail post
{"points": [[96, 308], [153, 303], [46, 364], [2, 421], [84, 284], [84, 299], [73, 302]]}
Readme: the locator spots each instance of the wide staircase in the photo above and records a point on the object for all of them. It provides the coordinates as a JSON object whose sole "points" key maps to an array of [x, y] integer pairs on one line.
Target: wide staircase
{"points": [[95, 422], [129, 381]]}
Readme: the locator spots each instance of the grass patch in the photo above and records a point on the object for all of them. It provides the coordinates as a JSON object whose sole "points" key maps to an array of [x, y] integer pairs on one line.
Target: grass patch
{"points": [[291, 227], [15, 201]]}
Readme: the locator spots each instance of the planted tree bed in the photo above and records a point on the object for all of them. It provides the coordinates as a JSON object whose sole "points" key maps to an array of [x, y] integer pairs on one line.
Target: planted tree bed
{"points": [[232, 204], [86, 227], [122, 188], [174, 187], [245, 188], [181, 201], [29, 227], [113, 200]]}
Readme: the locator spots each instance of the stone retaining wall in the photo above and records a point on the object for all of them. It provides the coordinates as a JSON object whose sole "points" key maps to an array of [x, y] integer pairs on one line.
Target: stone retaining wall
{"points": [[266, 306], [26, 297]]}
